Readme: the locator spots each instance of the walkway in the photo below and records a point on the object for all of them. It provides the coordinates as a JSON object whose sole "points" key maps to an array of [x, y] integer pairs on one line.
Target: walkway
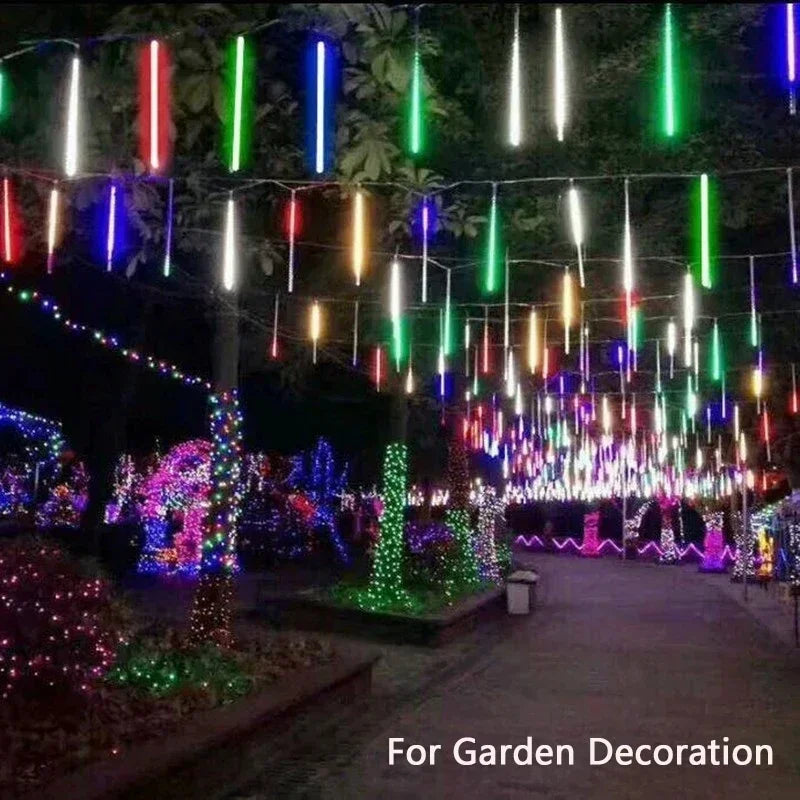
{"points": [[635, 653]]}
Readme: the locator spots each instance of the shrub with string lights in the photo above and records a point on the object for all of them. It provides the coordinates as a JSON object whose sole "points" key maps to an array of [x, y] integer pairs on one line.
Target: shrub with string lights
{"points": [[59, 628]]}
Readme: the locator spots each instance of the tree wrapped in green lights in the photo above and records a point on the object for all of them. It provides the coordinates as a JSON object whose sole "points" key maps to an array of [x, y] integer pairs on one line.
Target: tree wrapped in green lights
{"points": [[386, 588], [463, 573]]}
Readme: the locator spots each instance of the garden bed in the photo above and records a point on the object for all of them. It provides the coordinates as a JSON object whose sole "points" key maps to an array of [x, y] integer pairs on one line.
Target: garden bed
{"points": [[309, 610], [186, 762]]}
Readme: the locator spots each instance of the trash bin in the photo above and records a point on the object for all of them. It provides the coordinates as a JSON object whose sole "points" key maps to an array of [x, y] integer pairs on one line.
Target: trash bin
{"points": [[521, 591]]}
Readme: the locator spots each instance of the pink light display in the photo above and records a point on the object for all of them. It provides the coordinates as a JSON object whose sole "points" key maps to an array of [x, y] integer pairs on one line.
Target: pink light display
{"points": [[591, 543], [690, 552], [176, 495], [713, 544]]}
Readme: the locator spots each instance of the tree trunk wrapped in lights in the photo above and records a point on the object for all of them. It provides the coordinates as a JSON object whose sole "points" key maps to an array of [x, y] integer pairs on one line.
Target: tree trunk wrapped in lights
{"points": [[669, 551], [744, 563], [386, 588], [463, 573], [211, 614], [490, 514]]}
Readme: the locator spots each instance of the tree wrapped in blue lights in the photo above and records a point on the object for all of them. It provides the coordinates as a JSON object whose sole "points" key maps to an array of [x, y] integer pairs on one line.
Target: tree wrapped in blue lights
{"points": [[211, 614], [318, 476]]}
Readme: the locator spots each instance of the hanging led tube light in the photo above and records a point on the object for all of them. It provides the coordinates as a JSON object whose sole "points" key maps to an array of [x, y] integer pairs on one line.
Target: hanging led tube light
{"points": [[485, 364], [794, 390], [506, 316], [315, 326], [238, 99], [71, 139], [688, 318], [167, 266], [395, 311], [52, 227], [416, 121], [672, 341], [791, 57], [705, 234], [229, 266], [425, 212], [448, 318], [576, 223], [559, 76], [792, 233], [359, 242], [276, 311], [319, 118], [533, 342], [753, 316], [355, 334], [567, 309], [154, 109], [111, 227], [293, 215], [669, 84], [8, 229], [515, 89], [716, 354], [492, 254], [627, 263]]}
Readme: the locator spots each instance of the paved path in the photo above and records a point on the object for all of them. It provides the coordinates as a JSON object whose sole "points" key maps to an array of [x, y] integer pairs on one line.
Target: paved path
{"points": [[635, 653]]}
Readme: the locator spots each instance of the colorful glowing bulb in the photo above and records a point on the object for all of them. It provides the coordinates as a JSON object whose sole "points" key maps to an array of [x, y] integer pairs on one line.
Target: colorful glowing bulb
{"points": [[71, 141]]}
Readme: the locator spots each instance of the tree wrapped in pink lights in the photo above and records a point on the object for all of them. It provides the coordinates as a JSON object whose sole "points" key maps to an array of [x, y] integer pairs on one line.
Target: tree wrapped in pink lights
{"points": [[591, 537], [713, 543]]}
